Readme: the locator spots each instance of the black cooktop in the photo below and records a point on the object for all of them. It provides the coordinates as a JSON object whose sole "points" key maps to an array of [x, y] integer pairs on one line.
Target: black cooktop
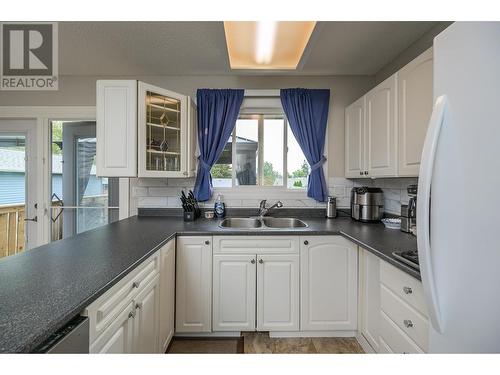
{"points": [[408, 257]]}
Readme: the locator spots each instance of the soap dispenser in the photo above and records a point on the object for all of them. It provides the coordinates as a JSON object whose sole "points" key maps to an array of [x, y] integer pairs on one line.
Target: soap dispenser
{"points": [[219, 207]]}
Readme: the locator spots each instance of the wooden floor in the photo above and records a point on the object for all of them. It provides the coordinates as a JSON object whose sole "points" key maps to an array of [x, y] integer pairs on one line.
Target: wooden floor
{"points": [[261, 343]]}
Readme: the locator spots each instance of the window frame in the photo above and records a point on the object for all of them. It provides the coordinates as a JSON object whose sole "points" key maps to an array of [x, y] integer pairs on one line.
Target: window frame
{"points": [[262, 113]]}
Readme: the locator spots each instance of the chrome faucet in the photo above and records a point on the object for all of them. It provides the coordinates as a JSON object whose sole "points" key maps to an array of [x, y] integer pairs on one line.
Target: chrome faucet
{"points": [[264, 211]]}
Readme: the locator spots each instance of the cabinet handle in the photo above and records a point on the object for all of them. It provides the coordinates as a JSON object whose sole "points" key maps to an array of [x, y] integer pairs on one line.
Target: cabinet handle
{"points": [[207, 242], [306, 242], [136, 284], [252, 261], [138, 306], [361, 173], [408, 323], [131, 314], [407, 290], [185, 173], [366, 173], [261, 261]]}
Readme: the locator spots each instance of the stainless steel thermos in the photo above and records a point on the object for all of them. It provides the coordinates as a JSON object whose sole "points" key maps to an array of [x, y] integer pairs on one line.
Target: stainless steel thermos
{"points": [[331, 208]]}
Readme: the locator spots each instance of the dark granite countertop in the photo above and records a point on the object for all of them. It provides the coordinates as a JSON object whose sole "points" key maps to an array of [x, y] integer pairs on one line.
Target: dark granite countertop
{"points": [[43, 289]]}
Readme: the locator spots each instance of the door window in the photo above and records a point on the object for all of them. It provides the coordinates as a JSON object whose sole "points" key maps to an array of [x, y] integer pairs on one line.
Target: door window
{"points": [[17, 186], [81, 201]]}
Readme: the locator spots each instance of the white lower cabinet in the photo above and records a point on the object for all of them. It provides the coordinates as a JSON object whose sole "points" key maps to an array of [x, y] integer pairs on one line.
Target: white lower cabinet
{"points": [[392, 309], [328, 284], [369, 290], [234, 292], [146, 320], [135, 329], [117, 338], [137, 314], [194, 284], [256, 283], [167, 295], [278, 292]]}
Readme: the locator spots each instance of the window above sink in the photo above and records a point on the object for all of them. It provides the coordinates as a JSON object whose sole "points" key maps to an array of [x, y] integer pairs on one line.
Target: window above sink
{"points": [[265, 153]]}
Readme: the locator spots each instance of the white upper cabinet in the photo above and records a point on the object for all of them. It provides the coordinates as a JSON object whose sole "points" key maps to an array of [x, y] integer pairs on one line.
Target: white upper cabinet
{"points": [[144, 131], [165, 133], [385, 129], [116, 109], [328, 284], [415, 108], [355, 138], [381, 130]]}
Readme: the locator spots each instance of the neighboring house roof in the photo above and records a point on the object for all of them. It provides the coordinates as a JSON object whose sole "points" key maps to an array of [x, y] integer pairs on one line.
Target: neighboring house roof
{"points": [[241, 140], [13, 161]]}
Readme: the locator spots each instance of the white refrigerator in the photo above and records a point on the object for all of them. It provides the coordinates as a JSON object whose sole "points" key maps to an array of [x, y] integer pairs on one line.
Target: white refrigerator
{"points": [[458, 208]]}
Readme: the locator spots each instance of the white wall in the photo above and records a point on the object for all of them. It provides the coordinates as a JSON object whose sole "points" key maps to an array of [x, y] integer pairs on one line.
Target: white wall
{"points": [[76, 91]]}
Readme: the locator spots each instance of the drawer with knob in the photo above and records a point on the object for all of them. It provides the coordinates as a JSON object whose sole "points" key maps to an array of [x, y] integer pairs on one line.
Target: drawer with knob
{"points": [[409, 320], [404, 286], [256, 244], [107, 307], [393, 340]]}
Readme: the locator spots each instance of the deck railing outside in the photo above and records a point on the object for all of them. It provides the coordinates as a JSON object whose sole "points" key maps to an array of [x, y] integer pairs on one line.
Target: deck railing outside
{"points": [[12, 227]]}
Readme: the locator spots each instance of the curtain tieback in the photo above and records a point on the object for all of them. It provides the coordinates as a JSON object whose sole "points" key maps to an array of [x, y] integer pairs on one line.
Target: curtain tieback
{"points": [[318, 164], [204, 164]]}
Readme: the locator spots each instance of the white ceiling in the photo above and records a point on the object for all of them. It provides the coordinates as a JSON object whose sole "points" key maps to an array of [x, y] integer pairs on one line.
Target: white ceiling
{"points": [[177, 48]]}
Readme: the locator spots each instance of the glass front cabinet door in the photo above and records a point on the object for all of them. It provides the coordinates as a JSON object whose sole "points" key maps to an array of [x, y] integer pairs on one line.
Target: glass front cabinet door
{"points": [[166, 133]]}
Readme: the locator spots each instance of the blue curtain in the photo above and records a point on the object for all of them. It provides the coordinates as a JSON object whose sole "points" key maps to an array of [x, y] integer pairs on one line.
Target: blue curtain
{"points": [[218, 111], [307, 113]]}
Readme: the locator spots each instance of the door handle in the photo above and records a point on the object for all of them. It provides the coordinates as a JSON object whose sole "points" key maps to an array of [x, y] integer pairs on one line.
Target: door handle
{"points": [[35, 219], [423, 209]]}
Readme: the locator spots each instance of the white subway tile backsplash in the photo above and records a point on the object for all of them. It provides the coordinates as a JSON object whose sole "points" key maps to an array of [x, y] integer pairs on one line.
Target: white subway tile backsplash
{"points": [[165, 191], [181, 182], [174, 202], [147, 182], [392, 194], [344, 202], [154, 192], [138, 191], [152, 202], [250, 202]]}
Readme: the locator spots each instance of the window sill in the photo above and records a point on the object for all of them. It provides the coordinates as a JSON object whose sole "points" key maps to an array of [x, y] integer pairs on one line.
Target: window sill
{"points": [[260, 192]]}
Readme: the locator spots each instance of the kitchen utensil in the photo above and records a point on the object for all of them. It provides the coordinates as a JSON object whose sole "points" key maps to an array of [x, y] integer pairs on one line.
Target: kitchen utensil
{"points": [[392, 223]]}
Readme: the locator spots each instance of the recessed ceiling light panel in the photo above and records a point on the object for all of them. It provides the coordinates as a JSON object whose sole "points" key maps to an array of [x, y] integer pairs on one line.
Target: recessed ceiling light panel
{"points": [[267, 44]]}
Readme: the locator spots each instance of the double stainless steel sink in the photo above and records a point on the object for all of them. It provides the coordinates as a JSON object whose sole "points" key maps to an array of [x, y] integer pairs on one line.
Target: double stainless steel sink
{"points": [[265, 222]]}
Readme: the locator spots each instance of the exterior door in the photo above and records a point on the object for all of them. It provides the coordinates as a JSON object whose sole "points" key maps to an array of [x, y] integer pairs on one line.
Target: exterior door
{"points": [[80, 200], [278, 293], [234, 292], [19, 216]]}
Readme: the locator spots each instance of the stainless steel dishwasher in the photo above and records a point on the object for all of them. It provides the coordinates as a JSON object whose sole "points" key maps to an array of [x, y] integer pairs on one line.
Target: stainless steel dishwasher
{"points": [[73, 338]]}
